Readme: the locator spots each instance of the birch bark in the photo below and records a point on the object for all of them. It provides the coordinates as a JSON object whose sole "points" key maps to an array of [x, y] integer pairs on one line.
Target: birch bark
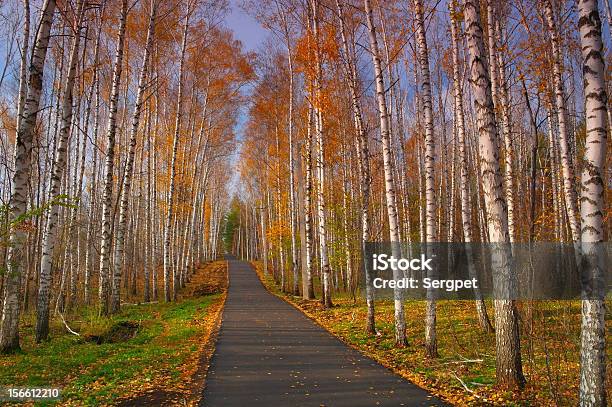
{"points": [[364, 165], [509, 369], [567, 170], [592, 206], [175, 143], [466, 213], [400, 322], [127, 179], [55, 183], [431, 342], [9, 323], [109, 165], [23, 67], [308, 222], [320, 163]]}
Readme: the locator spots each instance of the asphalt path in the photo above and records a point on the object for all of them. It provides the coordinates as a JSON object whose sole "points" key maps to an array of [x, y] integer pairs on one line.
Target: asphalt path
{"points": [[270, 354]]}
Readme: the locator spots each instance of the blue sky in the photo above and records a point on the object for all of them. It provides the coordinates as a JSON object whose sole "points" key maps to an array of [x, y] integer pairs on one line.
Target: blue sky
{"points": [[245, 27], [252, 35]]}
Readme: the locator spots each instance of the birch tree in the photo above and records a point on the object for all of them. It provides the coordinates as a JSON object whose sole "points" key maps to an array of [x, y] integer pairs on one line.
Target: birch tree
{"points": [[466, 215], [109, 165], [499, 86], [320, 160], [592, 205], [431, 342], [23, 65], [127, 178], [364, 165], [509, 370], [567, 170], [308, 223], [168, 296], [400, 322], [9, 324], [57, 173], [290, 131]]}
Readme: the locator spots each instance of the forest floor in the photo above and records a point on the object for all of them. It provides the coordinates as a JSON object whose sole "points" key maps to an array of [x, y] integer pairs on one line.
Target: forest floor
{"points": [[148, 353], [465, 372]]}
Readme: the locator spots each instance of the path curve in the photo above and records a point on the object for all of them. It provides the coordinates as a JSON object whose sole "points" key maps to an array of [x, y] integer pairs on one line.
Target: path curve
{"points": [[270, 354]]}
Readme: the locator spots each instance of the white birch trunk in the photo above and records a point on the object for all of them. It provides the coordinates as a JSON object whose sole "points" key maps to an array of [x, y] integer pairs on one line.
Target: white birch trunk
{"points": [[364, 166], [9, 324], [292, 203], [308, 222], [55, 182], [292, 192], [23, 67], [567, 170], [431, 342], [175, 143], [592, 206], [400, 322], [466, 212], [109, 166], [127, 179], [506, 116], [320, 164], [509, 369]]}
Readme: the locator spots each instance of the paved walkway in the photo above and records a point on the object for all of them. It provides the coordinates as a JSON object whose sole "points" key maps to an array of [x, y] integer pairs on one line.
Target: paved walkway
{"points": [[270, 354]]}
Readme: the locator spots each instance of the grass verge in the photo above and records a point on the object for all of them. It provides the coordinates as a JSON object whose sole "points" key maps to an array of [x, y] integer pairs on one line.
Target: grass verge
{"points": [[162, 352]]}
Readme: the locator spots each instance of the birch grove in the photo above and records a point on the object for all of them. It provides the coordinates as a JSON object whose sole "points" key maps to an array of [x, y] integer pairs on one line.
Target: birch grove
{"points": [[88, 205], [140, 140]]}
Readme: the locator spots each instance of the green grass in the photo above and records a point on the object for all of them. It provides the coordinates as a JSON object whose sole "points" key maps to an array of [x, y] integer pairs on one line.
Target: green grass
{"points": [[91, 374]]}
